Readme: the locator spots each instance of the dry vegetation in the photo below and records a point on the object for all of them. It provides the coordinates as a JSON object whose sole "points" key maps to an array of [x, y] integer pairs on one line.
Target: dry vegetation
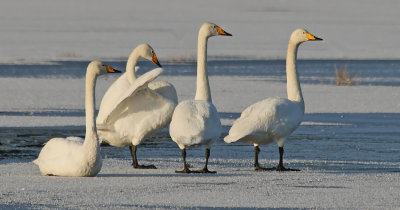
{"points": [[183, 59], [67, 54], [344, 78]]}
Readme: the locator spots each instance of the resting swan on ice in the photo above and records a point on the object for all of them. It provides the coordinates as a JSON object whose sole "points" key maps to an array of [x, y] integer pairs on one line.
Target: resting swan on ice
{"points": [[74, 156], [274, 119], [133, 108], [197, 122]]}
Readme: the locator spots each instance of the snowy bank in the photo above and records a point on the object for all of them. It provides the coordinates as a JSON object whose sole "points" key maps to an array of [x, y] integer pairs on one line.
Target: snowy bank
{"points": [[234, 186], [46, 30]]}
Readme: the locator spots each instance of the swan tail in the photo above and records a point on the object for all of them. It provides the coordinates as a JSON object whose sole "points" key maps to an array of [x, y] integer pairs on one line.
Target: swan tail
{"points": [[36, 161], [105, 133], [229, 139], [234, 138]]}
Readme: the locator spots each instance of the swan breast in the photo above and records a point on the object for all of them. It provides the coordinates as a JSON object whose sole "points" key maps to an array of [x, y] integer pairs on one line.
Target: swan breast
{"points": [[195, 122]]}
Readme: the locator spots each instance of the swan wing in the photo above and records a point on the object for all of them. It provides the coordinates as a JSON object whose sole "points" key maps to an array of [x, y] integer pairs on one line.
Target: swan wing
{"points": [[165, 89], [111, 96], [75, 138], [56, 151], [66, 157], [120, 104], [264, 121]]}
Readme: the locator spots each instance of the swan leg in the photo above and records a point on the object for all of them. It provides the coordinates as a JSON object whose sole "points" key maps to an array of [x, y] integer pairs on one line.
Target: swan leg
{"points": [[135, 163], [257, 167], [205, 169], [186, 169], [280, 165]]}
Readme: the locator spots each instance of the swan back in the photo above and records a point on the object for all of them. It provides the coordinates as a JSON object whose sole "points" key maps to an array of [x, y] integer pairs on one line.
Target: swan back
{"points": [[67, 157]]}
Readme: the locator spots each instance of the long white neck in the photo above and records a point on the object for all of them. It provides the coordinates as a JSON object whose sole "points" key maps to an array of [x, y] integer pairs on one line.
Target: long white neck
{"points": [[130, 66], [91, 143], [203, 87], [293, 84]]}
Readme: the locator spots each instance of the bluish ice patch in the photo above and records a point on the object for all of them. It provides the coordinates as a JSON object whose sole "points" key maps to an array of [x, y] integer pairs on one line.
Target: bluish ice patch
{"points": [[364, 72], [332, 142]]}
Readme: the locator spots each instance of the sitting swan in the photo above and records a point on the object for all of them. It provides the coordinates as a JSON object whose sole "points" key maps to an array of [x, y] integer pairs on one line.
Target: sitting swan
{"points": [[274, 119], [133, 109], [74, 156], [197, 122]]}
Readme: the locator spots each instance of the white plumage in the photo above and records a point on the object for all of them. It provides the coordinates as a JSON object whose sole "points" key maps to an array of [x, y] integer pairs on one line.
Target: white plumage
{"points": [[266, 121], [273, 119], [197, 122], [74, 156], [133, 108]]}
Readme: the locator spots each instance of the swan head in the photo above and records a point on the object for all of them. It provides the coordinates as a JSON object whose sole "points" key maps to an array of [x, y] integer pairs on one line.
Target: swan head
{"points": [[147, 52], [302, 35], [99, 68], [211, 29]]}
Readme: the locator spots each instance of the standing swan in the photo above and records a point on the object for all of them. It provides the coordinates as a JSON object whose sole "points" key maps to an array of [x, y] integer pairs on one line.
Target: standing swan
{"points": [[74, 156], [133, 108], [197, 122], [273, 119]]}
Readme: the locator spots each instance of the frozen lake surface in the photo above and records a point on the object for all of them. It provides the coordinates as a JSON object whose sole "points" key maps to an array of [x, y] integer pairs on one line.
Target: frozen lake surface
{"points": [[341, 142], [336, 141], [365, 72]]}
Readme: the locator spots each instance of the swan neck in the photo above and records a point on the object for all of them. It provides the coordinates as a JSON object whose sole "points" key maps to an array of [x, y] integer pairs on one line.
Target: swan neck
{"points": [[202, 84], [91, 139], [293, 84], [130, 66]]}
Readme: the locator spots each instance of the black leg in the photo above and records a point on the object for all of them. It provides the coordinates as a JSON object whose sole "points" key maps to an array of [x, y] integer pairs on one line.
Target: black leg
{"points": [[257, 167], [186, 169], [256, 152], [205, 169], [280, 165], [135, 163]]}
